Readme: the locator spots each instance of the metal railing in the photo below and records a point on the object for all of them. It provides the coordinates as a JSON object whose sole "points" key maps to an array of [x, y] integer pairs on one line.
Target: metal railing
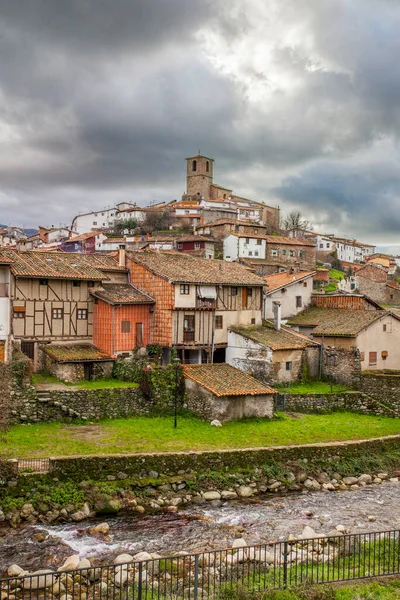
{"points": [[33, 465], [220, 574]]}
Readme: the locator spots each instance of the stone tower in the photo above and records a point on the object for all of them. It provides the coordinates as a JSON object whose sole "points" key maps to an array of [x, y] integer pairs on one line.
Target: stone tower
{"points": [[199, 176]]}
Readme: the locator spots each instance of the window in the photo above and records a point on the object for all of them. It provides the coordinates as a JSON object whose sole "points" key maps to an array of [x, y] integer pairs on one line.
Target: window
{"points": [[321, 245], [249, 291], [288, 365], [125, 326], [283, 252], [82, 314], [291, 253], [385, 328], [185, 289], [274, 252], [219, 322], [43, 281], [194, 165], [197, 246], [57, 313], [19, 312], [304, 283], [234, 291], [256, 253], [384, 354], [253, 321], [247, 240], [207, 166], [180, 246], [258, 242], [250, 253], [139, 335], [94, 222], [90, 283], [373, 358], [102, 214], [391, 296], [328, 245], [302, 253], [299, 301], [76, 283]]}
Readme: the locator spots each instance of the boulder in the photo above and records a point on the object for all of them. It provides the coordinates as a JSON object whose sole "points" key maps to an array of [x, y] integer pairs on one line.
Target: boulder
{"points": [[108, 506], [84, 563], [175, 501], [239, 543], [153, 474], [38, 580], [121, 577], [101, 529], [350, 480], [141, 556], [244, 491], [15, 571], [70, 563], [211, 495], [308, 534], [228, 495], [123, 558], [216, 423], [365, 478], [312, 484], [382, 475], [27, 510]]}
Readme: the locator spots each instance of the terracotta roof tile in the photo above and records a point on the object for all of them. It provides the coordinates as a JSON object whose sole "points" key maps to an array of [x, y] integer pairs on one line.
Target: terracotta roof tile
{"points": [[75, 352], [335, 321], [276, 239], [268, 336], [121, 293], [53, 265], [178, 267], [280, 280], [232, 222], [83, 236], [224, 380]]}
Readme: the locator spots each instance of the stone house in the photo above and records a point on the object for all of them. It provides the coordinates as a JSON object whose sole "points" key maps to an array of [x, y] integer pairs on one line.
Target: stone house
{"points": [[74, 362], [272, 355], [197, 300], [268, 254], [221, 228], [372, 280], [292, 290], [374, 333], [219, 391]]}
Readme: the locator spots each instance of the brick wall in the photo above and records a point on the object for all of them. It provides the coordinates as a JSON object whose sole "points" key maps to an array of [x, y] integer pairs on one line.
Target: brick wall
{"points": [[107, 327], [163, 293]]}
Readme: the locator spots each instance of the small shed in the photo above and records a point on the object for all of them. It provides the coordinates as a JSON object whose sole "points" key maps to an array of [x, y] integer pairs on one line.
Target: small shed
{"points": [[75, 362], [219, 391]]}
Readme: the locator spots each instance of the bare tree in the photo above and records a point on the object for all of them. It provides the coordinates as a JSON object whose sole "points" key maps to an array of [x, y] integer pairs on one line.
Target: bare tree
{"points": [[294, 220]]}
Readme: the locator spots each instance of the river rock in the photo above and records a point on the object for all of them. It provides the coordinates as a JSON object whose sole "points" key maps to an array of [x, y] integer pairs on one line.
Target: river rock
{"points": [[377, 480], [260, 555], [329, 487], [121, 578], [2, 516], [211, 495], [350, 480], [153, 474], [394, 479], [312, 484], [371, 519], [15, 571], [239, 543], [140, 509], [123, 558], [172, 509], [141, 556], [108, 506], [301, 477], [84, 563], [101, 528], [27, 510], [216, 423], [309, 534], [38, 580], [382, 475], [228, 495], [245, 491], [175, 501], [67, 597], [365, 478], [58, 589], [70, 563]]}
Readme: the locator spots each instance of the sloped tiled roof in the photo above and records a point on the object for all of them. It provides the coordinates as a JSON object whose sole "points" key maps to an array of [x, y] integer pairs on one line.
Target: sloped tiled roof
{"points": [[178, 267], [121, 293], [83, 236], [276, 239], [280, 280], [75, 352], [224, 380], [336, 321], [268, 336], [54, 265], [232, 222]]}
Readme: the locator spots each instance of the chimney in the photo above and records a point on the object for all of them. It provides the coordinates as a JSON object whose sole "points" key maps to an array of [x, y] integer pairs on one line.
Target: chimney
{"points": [[121, 255], [276, 307]]}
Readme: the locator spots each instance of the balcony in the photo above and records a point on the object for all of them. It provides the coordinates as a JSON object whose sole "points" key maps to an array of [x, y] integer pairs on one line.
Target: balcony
{"points": [[188, 335], [205, 303]]}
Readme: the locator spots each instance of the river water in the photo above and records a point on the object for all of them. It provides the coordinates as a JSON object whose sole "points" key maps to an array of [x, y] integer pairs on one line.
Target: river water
{"points": [[204, 527]]}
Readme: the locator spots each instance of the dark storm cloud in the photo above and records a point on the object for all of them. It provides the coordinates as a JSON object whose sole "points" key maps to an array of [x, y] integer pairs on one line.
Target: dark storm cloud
{"points": [[297, 100]]}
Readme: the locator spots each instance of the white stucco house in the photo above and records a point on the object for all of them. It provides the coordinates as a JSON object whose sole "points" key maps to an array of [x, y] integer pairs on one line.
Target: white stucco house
{"points": [[292, 290]]}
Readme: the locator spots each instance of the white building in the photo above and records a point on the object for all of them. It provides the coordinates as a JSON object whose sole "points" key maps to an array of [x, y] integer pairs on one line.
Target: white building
{"points": [[236, 246], [292, 290], [5, 317], [106, 217]]}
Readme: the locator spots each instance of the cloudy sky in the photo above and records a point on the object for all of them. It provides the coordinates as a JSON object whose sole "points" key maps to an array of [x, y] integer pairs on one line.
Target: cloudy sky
{"points": [[298, 102]]}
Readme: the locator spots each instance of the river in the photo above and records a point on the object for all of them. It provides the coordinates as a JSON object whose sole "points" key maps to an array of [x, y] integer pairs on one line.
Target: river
{"points": [[372, 508]]}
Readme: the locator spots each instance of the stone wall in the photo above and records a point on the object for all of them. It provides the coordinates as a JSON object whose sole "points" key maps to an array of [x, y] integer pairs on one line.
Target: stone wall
{"points": [[342, 366], [64, 406], [347, 401], [384, 387], [173, 463]]}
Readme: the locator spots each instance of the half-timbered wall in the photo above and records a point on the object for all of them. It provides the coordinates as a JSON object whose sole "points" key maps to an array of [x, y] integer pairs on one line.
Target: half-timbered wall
{"points": [[36, 303]]}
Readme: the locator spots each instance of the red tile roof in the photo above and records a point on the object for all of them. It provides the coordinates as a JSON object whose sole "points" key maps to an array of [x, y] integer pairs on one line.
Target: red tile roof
{"points": [[121, 293], [224, 380], [276, 239], [75, 353], [268, 336], [336, 322], [281, 280]]}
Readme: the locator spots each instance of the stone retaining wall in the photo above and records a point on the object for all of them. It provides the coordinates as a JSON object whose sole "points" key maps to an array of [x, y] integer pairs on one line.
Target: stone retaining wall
{"points": [[64, 406], [345, 401], [385, 387], [178, 463]]}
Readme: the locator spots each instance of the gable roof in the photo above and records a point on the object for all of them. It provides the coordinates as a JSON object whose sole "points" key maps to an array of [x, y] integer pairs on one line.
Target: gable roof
{"points": [[121, 293], [75, 353], [223, 380], [178, 267], [336, 322], [345, 301], [232, 222], [83, 236], [268, 336], [276, 239], [282, 280]]}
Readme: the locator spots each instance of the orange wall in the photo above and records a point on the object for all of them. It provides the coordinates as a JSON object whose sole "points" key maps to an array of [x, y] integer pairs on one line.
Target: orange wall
{"points": [[163, 293], [116, 341]]}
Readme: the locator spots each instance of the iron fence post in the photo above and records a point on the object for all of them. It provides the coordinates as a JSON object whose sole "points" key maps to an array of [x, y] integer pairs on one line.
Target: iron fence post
{"points": [[285, 563], [196, 577], [140, 581]]}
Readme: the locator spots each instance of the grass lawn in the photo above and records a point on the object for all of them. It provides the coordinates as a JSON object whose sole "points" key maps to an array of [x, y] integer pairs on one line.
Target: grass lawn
{"points": [[335, 274], [109, 382], [150, 434], [313, 387]]}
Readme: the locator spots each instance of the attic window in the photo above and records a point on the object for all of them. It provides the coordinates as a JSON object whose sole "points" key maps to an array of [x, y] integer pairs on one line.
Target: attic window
{"points": [[43, 281], [76, 283]]}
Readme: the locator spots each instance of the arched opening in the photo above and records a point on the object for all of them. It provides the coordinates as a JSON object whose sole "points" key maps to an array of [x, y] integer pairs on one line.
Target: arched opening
{"points": [[194, 165], [207, 166]]}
